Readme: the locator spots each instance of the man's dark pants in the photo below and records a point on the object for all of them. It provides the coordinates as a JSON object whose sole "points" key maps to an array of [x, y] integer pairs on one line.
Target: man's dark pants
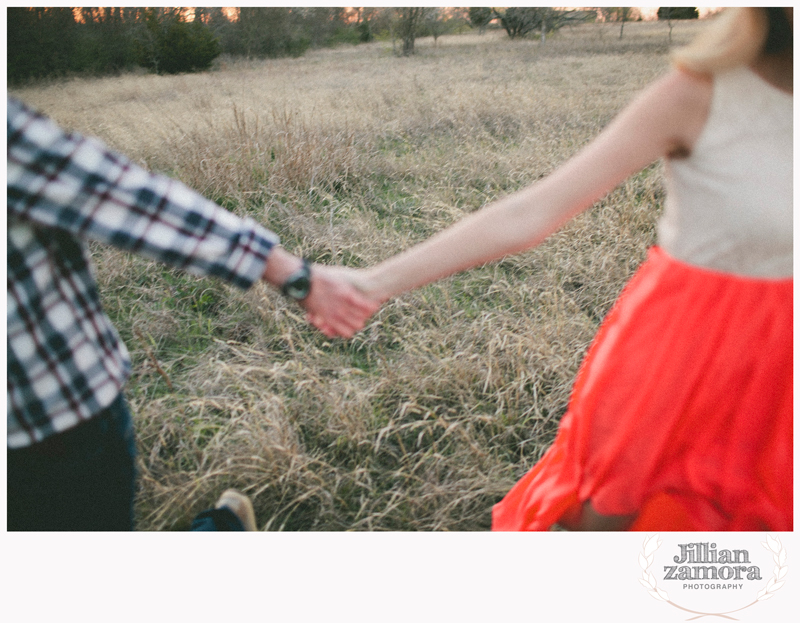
{"points": [[81, 479], [85, 479]]}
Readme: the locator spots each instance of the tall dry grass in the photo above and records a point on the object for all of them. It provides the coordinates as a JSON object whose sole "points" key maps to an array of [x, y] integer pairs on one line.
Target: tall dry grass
{"points": [[427, 417]]}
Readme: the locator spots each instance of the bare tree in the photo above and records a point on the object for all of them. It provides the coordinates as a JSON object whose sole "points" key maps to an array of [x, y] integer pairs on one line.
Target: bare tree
{"points": [[520, 21], [619, 14], [624, 16], [434, 23], [669, 23], [480, 17], [406, 25], [672, 13]]}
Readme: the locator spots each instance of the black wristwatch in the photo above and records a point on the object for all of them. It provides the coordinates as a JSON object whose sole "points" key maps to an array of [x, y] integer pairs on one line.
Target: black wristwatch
{"points": [[298, 285]]}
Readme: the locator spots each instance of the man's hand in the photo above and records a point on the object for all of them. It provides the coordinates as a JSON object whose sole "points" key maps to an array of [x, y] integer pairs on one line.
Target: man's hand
{"points": [[334, 305]]}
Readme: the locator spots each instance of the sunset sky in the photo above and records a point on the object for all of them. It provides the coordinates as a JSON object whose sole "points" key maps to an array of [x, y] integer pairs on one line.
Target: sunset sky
{"points": [[648, 12]]}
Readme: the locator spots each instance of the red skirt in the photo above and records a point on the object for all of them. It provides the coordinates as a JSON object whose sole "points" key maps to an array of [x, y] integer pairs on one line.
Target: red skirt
{"points": [[681, 413]]}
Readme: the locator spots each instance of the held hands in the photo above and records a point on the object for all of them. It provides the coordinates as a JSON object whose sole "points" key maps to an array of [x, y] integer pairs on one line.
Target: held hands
{"points": [[337, 303], [334, 305]]}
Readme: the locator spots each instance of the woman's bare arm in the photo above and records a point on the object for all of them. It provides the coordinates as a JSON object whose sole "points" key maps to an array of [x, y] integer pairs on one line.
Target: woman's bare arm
{"points": [[665, 119]]}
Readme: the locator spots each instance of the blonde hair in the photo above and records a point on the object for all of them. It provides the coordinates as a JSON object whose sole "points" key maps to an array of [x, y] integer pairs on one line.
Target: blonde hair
{"points": [[735, 37]]}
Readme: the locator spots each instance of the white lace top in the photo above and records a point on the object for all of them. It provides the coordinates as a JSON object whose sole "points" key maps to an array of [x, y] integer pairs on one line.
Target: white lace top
{"points": [[729, 204]]}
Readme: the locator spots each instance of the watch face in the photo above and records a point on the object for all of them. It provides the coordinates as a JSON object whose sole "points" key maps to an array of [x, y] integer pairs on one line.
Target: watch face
{"points": [[299, 288], [298, 285]]}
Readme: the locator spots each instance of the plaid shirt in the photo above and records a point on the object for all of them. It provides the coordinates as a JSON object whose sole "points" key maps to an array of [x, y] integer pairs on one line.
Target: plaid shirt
{"points": [[66, 362]]}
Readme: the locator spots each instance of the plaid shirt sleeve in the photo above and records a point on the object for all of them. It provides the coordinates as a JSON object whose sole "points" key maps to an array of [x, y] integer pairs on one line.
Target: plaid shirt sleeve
{"points": [[75, 184], [65, 360]]}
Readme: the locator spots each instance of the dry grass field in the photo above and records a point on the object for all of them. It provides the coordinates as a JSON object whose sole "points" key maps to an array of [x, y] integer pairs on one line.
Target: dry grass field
{"points": [[426, 418]]}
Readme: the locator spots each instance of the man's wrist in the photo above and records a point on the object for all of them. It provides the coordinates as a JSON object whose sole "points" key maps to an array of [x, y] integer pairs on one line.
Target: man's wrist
{"points": [[280, 266]]}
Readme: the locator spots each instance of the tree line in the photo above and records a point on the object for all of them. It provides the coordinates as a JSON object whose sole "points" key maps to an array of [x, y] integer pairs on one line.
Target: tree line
{"points": [[59, 41]]}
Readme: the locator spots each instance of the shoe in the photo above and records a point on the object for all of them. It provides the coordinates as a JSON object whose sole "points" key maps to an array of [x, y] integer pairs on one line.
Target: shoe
{"points": [[241, 506]]}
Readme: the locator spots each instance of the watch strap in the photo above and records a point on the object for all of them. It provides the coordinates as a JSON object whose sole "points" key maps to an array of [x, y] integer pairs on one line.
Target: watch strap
{"points": [[301, 276]]}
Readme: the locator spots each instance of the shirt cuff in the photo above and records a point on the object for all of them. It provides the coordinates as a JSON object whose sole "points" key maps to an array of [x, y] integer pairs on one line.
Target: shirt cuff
{"points": [[246, 263]]}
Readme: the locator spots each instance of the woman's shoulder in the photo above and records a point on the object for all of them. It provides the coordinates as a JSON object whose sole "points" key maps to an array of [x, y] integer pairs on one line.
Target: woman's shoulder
{"points": [[688, 86], [685, 97]]}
